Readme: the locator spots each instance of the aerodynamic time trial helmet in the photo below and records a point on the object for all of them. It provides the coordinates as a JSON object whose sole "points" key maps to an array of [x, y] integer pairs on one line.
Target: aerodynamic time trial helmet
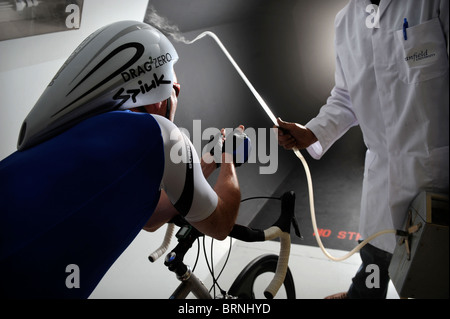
{"points": [[123, 65]]}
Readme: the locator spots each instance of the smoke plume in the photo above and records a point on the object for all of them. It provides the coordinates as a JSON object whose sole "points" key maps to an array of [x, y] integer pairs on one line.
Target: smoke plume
{"points": [[163, 24]]}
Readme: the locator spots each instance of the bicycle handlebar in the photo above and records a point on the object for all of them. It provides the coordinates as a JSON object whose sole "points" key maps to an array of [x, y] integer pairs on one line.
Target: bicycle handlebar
{"points": [[280, 229], [165, 245]]}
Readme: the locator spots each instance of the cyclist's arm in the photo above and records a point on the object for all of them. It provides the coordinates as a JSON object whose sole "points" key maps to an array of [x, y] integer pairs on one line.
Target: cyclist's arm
{"points": [[163, 213], [222, 220], [213, 212]]}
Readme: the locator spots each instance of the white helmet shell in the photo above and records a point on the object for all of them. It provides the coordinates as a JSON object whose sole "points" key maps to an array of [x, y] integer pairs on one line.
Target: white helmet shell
{"points": [[123, 65]]}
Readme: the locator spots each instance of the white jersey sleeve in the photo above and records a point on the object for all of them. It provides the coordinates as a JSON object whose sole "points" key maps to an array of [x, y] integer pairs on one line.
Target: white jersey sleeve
{"points": [[183, 179]]}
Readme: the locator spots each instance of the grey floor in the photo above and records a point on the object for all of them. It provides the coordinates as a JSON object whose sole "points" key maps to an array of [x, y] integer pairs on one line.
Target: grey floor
{"points": [[315, 276]]}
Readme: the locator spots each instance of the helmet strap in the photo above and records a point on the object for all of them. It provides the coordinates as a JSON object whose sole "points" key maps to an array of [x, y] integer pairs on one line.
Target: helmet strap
{"points": [[168, 108]]}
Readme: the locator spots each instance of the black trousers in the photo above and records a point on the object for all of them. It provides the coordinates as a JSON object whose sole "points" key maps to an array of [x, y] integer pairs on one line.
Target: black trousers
{"points": [[372, 278]]}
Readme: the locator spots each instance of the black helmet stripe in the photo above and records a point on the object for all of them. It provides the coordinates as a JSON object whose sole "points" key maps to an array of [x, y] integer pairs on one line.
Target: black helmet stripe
{"points": [[109, 43], [139, 52]]}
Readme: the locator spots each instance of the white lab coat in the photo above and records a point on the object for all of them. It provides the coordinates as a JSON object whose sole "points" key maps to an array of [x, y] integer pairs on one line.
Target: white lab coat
{"points": [[397, 91]]}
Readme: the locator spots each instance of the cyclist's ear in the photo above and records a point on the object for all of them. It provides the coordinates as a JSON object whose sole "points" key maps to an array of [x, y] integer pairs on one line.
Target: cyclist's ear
{"points": [[155, 108]]}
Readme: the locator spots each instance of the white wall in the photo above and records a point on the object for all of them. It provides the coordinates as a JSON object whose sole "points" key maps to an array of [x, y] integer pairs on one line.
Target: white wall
{"points": [[28, 64]]}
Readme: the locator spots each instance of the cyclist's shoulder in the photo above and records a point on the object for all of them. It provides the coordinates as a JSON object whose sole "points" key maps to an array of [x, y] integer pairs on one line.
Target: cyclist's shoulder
{"points": [[119, 128], [124, 116], [122, 124]]}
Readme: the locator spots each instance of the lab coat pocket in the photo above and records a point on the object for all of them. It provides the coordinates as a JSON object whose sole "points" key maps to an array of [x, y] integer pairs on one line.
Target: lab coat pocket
{"points": [[423, 55]]}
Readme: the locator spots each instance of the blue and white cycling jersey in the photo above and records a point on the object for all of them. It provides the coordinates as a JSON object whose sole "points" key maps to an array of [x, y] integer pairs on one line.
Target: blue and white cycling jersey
{"points": [[83, 196]]}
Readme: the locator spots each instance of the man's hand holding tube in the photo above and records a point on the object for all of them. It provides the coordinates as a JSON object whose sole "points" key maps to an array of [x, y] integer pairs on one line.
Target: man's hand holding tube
{"points": [[293, 135]]}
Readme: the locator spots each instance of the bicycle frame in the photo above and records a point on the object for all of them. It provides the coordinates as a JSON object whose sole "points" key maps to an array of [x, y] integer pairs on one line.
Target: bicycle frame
{"points": [[187, 235], [191, 284]]}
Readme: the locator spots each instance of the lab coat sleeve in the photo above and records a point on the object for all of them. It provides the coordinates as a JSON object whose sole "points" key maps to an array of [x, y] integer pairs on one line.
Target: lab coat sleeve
{"points": [[335, 118]]}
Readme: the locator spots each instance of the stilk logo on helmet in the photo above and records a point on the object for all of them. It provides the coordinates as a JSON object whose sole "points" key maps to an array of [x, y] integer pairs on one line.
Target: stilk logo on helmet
{"points": [[143, 89]]}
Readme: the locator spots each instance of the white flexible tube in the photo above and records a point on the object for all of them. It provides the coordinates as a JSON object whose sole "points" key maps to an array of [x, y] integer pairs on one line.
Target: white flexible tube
{"points": [[297, 153], [238, 69], [314, 222]]}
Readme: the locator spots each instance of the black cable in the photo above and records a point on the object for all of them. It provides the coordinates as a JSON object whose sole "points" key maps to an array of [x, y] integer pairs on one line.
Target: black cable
{"points": [[211, 268], [260, 197], [207, 263], [198, 254], [204, 253], [226, 260], [223, 292], [211, 271]]}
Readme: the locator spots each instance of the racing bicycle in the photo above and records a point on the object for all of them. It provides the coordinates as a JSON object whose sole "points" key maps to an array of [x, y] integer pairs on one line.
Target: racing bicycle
{"points": [[243, 286]]}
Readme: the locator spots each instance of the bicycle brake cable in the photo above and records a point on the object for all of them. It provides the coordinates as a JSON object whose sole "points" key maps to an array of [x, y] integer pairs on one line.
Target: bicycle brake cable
{"points": [[198, 254], [211, 271]]}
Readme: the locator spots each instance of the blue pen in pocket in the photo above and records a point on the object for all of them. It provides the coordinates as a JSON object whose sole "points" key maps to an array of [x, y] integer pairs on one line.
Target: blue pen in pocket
{"points": [[405, 26]]}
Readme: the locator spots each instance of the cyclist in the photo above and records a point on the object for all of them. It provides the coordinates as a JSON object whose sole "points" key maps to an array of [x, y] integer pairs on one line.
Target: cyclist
{"points": [[92, 163]]}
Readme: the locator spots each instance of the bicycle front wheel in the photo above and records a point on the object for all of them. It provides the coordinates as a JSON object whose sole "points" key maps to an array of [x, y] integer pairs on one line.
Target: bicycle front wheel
{"points": [[246, 285]]}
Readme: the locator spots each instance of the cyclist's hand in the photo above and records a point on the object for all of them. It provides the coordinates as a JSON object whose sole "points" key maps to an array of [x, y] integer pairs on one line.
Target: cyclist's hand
{"points": [[208, 161], [240, 146]]}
